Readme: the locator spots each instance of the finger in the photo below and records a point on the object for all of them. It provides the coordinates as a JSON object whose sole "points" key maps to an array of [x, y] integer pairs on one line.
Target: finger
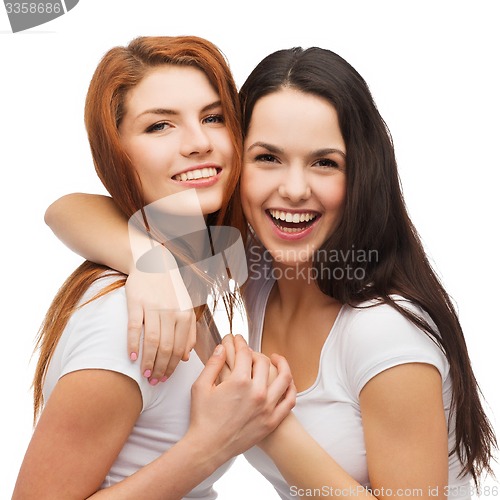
{"points": [[165, 347], [240, 342], [134, 330], [260, 370], [228, 343], [225, 372], [243, 361], [284, 379], [191, 337], [180, 337], [213, 367], [151, 341], [286, 404]]}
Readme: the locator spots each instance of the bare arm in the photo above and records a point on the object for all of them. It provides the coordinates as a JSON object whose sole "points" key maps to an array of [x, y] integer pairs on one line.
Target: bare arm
{"points": [[405, 435], [83, 426], [94, 227], [91, 413]]}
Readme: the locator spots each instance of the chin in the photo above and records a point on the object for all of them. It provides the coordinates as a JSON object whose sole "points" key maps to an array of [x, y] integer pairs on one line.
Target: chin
{"points": [[210, 203]]}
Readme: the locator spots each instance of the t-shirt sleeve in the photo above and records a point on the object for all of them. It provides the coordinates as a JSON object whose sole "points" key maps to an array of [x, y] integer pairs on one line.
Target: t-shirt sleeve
{"points": [[96, 338], [380, 338]]}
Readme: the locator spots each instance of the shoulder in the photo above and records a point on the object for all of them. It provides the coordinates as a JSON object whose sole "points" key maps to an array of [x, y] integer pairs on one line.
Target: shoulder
{"points": [[103, 305], [376, 336], [379, 321], [95, 337]]}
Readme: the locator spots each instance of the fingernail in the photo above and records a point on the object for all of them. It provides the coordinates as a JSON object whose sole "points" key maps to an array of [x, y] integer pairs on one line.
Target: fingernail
{"points": [[147, 373], [218, 350], [153, 381], [133, 356], [164, 378]]}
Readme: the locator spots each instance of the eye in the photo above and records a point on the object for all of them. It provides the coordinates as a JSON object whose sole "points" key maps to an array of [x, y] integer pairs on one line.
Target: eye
{"points": [[326, 163], [214, 119], [157, 127], [266, 158]]}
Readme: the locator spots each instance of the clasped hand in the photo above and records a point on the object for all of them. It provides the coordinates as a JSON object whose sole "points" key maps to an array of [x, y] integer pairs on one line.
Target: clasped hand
{"points": [[240, 397]]}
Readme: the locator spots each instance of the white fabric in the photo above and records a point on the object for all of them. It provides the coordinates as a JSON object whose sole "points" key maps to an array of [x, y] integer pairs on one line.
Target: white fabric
{"points": [[96, 338], [361, 344]]}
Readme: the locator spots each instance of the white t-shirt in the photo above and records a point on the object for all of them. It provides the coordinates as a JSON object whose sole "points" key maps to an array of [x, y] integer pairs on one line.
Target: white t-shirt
{"points": [[361, 344], [96, 338]]}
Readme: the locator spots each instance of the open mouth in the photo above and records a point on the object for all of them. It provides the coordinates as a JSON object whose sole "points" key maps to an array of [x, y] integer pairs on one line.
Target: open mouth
{"points": [[292, 222], [199, 173]]}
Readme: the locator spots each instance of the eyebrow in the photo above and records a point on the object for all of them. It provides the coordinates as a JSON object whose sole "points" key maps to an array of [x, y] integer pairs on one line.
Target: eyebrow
{"points": [[173, 112], [275, 149], [265, 145]]}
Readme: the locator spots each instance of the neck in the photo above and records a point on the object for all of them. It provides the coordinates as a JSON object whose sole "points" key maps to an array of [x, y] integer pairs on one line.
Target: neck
{"points": [[297, 290]]}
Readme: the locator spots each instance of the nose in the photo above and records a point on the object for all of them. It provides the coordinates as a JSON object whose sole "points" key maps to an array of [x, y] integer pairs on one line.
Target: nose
{"points": [[195, 140], [295, 184]]}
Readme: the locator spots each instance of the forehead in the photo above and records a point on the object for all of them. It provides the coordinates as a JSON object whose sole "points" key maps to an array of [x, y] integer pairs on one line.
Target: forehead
{"points": [[294, 117], [171, 86]]}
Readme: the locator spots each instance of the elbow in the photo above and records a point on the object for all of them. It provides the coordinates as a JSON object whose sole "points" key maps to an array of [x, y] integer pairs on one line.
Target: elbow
{"points": [[49, 214], [52, 212], [56, 210]]}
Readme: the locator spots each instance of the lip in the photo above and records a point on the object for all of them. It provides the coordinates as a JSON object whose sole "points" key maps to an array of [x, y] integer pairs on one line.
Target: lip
{"points": [[292, 236], [202, 182]]}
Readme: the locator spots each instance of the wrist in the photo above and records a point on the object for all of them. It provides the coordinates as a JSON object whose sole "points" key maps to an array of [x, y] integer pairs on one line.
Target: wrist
{"points": [[270, 444], [207, 453]]}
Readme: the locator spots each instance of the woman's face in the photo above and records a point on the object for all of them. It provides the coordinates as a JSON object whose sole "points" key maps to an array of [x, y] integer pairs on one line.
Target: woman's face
{"points": [[174, 133], [293, 183]]}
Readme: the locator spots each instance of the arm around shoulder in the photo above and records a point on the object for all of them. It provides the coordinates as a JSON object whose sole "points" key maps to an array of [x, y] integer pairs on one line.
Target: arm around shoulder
{"points": [[92, 226]]}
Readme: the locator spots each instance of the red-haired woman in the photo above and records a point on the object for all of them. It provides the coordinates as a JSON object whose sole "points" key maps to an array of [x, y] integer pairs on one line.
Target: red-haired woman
{"points": [[155, 109]]}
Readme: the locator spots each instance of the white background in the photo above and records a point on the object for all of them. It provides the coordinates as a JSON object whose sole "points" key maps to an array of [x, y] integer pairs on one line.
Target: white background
{"points": [[432, 67]]}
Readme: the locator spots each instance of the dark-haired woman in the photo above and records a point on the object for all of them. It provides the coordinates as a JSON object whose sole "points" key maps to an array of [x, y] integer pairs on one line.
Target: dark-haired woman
{"points": [[340, 285]]}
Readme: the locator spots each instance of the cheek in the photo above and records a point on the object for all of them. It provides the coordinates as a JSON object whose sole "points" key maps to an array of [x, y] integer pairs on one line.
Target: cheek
{"points": [[225, 146], [144, 157], [334, 195], [248, 190]]}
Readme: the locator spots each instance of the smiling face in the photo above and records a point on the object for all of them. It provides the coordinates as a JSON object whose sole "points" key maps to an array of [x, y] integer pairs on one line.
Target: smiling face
{"points": [[174, 132], [293, 183]]}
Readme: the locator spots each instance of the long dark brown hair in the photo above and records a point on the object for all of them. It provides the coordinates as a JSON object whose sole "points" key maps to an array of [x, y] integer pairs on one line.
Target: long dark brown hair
{"points": [[375, 223], [120, 70]]}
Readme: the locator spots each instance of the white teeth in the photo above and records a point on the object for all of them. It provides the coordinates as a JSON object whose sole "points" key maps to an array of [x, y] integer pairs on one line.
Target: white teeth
{"points": [[292, 217], [199, 173], [290, 229]]}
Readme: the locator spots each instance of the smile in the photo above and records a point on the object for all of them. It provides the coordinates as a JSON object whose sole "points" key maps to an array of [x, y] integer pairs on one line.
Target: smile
{"points": [[199, 173], [292, 222]]}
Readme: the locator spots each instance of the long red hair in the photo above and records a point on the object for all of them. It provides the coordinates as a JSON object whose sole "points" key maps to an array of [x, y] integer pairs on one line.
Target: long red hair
{"points": [[120, 70]]}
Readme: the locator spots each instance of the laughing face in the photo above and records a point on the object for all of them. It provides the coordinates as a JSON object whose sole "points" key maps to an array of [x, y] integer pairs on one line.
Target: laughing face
{"points": [[174, 133], [293, 184]]}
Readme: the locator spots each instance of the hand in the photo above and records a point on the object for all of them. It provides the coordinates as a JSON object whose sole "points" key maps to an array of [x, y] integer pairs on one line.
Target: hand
{"points": [[169, 321], [242, 409], [288, 426], [229, 344]]}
